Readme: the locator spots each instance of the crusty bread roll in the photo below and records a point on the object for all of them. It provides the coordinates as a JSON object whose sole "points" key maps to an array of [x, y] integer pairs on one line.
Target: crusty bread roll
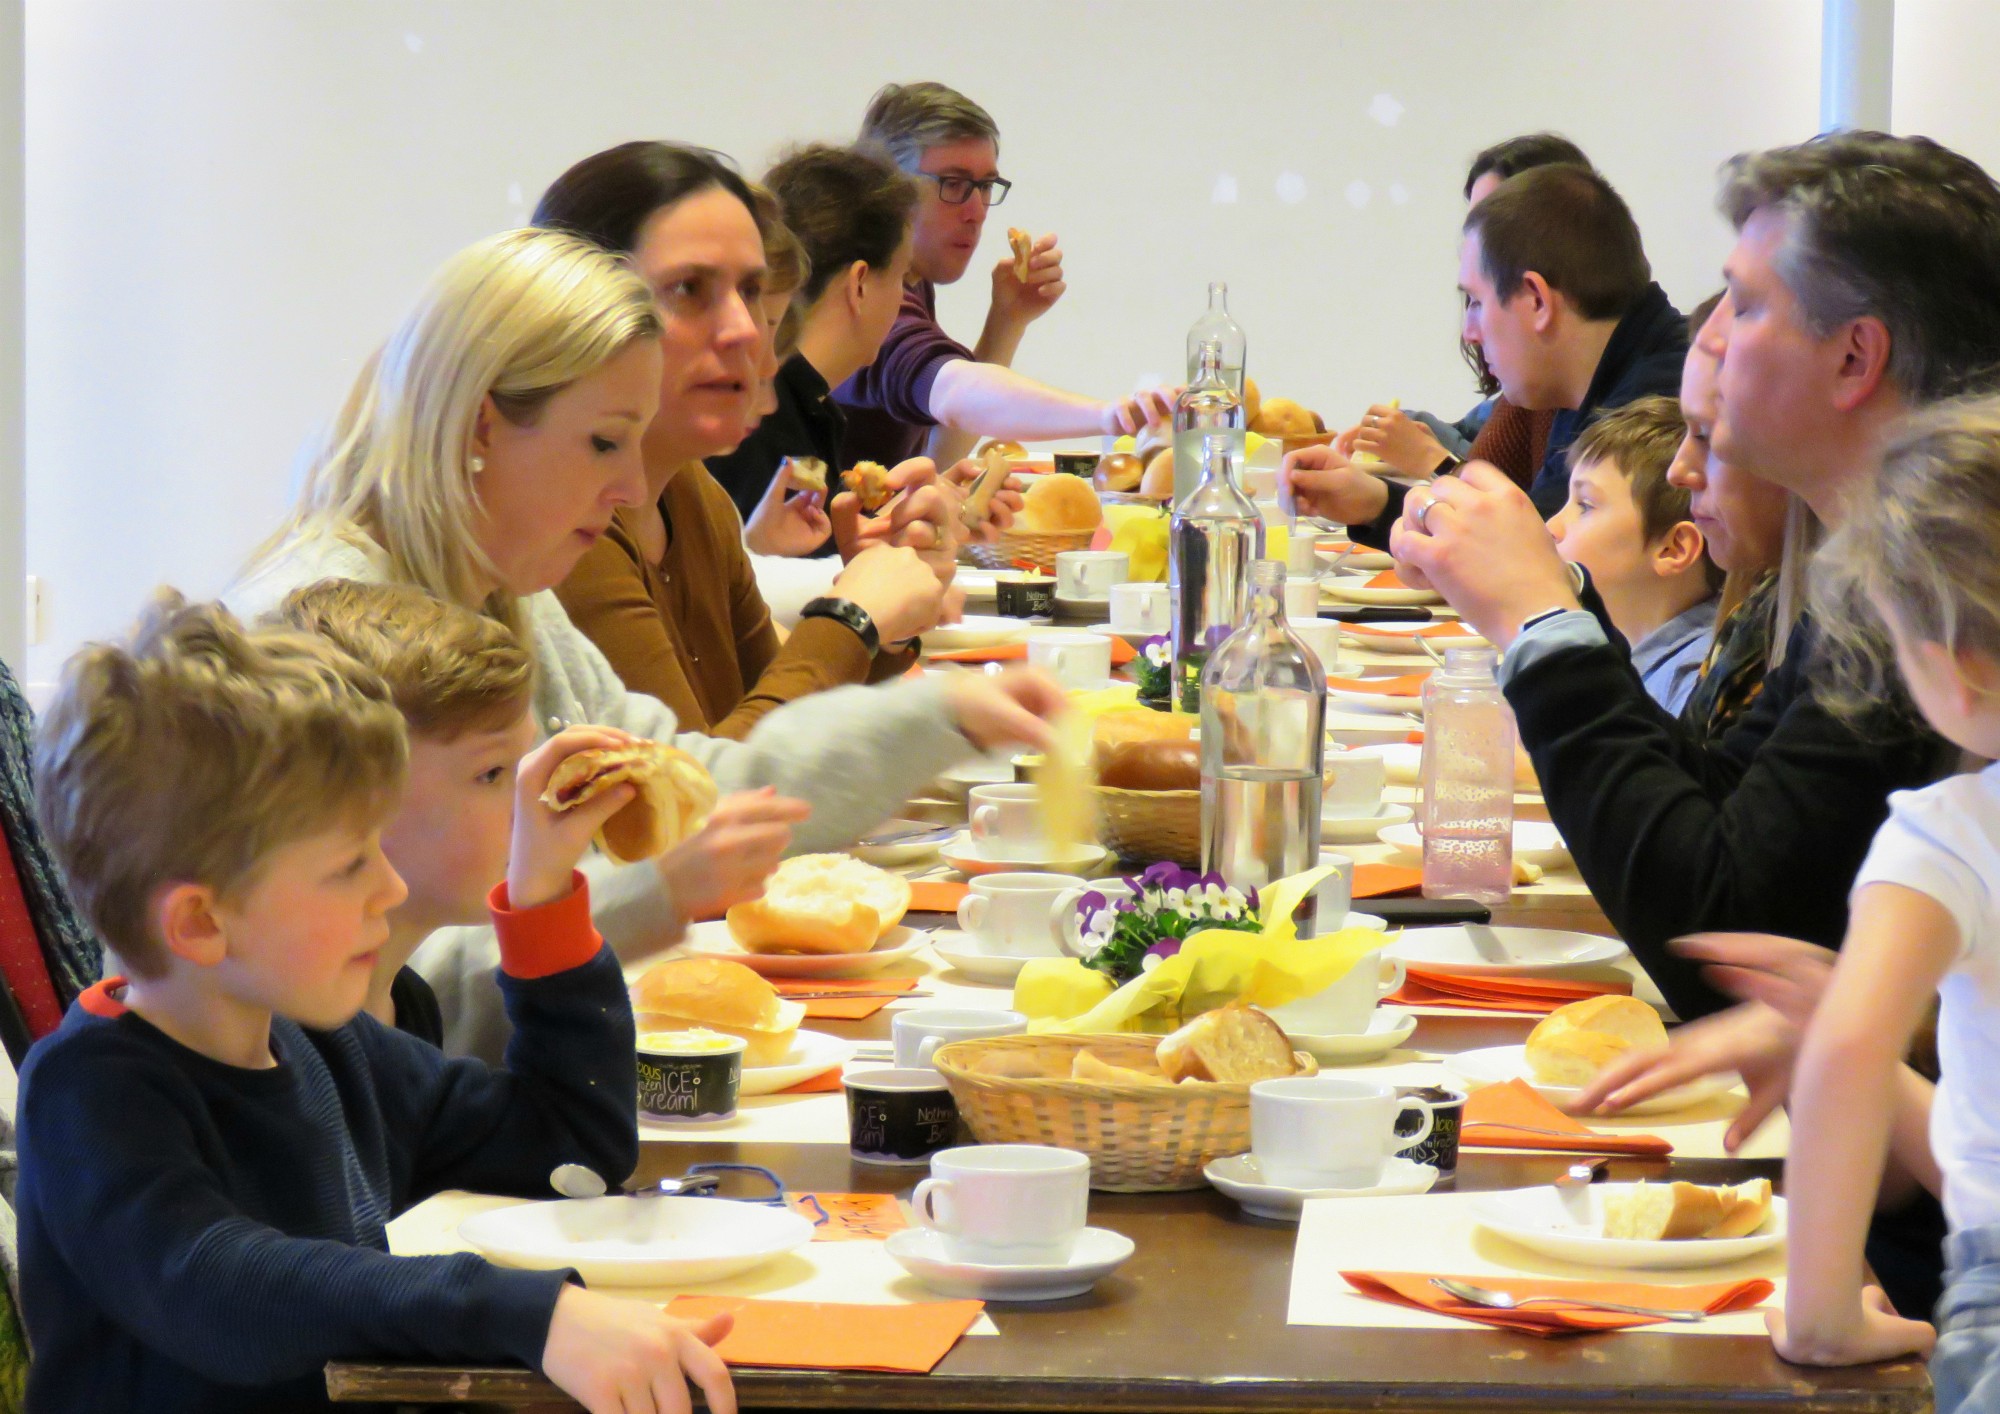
{"points": [[869, 481], [1013, 451], [808, 473], [1158, 482], [1121, 471], [1674, 1212], [723, 996], [1573, 1043], [676, 795], [821, 903], [1151, 765], [1253, 402], [1023, 246], [1235, 1044], [1115, 728], [1281, 417], [1058, 503], [1088, 1067]]}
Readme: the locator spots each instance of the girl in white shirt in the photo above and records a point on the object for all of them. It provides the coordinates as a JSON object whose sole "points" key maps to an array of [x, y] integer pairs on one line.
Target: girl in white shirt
{"points": [[1909, 588]]}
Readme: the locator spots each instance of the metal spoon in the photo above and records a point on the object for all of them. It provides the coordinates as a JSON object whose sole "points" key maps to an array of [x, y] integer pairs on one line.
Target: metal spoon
{"points": [[576, 1181], [1501, 1301]]}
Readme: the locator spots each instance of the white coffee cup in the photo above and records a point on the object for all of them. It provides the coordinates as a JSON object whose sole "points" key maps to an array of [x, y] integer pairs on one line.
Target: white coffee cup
{"points": [[1344, 1008], [1017, 915], [1320, 635], [1090, 574], [1139, 608], [1353, 785], [1006, 1204], [1006, 822], [1301, 596], [918, 1034], [1074, 657], [1320, 1131], [1302, 553]]}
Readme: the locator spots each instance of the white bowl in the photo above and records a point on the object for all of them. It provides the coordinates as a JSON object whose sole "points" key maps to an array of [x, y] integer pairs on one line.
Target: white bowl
{"points": [[620, 1241]]}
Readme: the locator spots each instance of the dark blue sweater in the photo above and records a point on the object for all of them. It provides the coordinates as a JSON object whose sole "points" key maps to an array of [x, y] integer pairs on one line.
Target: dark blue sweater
{"points": [[197, 1236]]}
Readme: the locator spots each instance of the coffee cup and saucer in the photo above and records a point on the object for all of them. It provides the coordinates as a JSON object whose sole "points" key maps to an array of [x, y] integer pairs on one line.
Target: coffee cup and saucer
{"points": [[1323, 1136], [1005, 835], [1004, 920], [1346, 1022], [1007, 1222]]}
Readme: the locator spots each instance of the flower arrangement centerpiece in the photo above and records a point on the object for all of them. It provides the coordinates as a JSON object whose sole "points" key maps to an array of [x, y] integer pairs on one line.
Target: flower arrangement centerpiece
{"points": [[1129, 935], [1153, 669]]}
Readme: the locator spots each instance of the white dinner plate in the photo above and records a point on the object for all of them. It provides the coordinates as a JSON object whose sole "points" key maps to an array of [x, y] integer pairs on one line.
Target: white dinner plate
{"points": [[979, 585], [921, 1252], [713, 939], [812, 1053], [1568, 1225], [1402, 761], [1501, 952], [975, 631], [1355, 557], [1496, 1065], [1373, 701], [920, 845], [959, 949], [621, 1241], [1402, 638], [1388, 1028], [1345, 590], [1363, 829], [959, 853], [1242, 1178], [1536, 841]]}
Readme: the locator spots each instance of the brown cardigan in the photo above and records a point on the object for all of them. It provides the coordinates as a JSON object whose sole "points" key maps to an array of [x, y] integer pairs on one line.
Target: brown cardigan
{"points": [[1515, 440], [693, 630]]}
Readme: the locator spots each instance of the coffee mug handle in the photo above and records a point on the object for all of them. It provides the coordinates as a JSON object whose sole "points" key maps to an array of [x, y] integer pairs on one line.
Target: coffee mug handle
{"points": [[928, 1047], [972, 913], [931, 1202], [984, 821], [1402, 1142], [1060, 914], [1395, 979]]}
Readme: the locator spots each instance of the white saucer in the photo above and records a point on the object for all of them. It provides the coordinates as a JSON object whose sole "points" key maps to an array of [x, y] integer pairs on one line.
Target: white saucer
{"points": [[713, 939], [958, 781], [958, 949], [1355, 557], [888, 856], [1535, 841], [1402, 761], [1240, 1177], [975, 631], [1088, 604], [920, 1252], [1496, 1065], [1362, 829], [1347, 591], [1388, 1028], [959, 854]]}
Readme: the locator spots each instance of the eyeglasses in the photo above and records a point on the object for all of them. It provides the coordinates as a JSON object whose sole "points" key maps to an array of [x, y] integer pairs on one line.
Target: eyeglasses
{"points": [[956, 191]]}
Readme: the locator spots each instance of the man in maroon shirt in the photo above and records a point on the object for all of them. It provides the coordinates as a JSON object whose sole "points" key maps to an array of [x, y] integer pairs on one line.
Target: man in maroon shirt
{"points": [[925, 389]]}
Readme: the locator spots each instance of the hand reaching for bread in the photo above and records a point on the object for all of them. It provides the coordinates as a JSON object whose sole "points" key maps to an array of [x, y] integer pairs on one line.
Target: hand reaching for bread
{"points": [[1001, 508], [1013, 708], [1131, 416], [729, 858]]}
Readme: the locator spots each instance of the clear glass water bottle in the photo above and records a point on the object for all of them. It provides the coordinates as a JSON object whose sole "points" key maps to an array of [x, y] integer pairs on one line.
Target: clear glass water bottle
{"points": [[1218, 326], [1208, 404], [1263, 744], [1215, 534], [1468, 771]]}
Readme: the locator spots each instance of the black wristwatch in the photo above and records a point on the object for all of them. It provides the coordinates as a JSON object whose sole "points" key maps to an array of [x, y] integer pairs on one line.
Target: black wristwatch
{"points": [[846, 611], [1446, 467]]}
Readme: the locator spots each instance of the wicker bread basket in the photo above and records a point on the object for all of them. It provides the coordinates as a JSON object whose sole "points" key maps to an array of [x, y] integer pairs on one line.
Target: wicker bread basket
{"points": [[1151, 825], [1029, 547], [1140, 1138]]}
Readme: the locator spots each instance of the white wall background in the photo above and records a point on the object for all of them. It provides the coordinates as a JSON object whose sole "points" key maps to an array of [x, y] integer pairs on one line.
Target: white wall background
{"points": [[231, 201]]}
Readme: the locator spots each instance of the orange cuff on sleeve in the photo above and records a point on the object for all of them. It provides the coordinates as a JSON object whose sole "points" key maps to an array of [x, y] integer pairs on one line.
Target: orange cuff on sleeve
{"points": [[540, 942]]}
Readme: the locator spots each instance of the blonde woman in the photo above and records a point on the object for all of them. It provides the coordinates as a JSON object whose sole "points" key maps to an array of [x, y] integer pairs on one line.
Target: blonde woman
{"points": [[480, 455]]}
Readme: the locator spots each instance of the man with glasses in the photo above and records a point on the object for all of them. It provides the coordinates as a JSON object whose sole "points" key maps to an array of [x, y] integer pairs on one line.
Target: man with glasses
{"points": [[925, 390]]}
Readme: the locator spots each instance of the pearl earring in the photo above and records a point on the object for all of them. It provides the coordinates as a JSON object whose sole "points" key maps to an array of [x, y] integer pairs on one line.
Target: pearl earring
{"points": [[478, 464]]}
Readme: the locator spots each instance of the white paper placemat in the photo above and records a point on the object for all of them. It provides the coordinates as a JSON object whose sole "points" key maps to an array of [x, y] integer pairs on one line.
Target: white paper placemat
{"points": [[1434, 1233], [858, 1273]]}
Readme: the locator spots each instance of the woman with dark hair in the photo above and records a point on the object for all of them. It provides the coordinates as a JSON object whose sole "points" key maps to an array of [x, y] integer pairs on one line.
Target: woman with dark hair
{"points": [[668, 593]]}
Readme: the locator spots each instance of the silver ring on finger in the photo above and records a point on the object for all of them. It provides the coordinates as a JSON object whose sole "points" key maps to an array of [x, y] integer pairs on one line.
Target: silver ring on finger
{"points": [[1422, 516]]}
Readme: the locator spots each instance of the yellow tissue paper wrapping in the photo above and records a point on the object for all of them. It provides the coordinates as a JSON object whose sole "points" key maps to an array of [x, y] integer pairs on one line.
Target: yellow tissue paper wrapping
{"points": [[1213, 968], [1141, 532]]}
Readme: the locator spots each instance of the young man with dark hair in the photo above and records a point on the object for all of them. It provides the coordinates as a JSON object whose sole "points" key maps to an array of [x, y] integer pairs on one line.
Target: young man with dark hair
{"points": [[925, 389]]}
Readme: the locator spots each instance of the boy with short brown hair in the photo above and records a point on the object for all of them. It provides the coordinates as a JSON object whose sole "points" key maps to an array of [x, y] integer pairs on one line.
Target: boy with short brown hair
{"points": [[1629, 526], [212, 1146]]}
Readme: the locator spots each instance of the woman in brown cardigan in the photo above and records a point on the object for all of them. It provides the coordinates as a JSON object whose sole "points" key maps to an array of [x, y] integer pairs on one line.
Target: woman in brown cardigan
{"points": [[668, 593]]}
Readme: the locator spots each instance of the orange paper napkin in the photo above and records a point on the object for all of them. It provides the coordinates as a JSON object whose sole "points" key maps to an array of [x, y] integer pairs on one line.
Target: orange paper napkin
{"points": [[1387, 580], [827, 1335], [1530, 996], [935, 896], [827, 1082], [1511, 1116], [1382, 880], [1408, 685], [840, 1008], [1121, 654], [1548, 1319]]}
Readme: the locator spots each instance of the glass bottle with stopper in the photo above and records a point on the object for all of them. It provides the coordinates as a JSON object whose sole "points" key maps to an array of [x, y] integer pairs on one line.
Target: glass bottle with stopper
{"points": [[1263, 744], [1208, 404], [1468, 781], [1215, 534], [1219, 326]]}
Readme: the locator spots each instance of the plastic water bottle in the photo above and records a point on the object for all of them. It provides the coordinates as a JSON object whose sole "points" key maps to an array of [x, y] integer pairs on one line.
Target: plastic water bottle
{"points": [[1468, 772], [1208, 404], [1217, 325], [1263, 745], [1215, 534]]}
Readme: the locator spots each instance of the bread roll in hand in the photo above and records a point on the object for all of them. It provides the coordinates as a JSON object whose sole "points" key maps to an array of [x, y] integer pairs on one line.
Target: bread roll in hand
{"points": [[675, 795]]}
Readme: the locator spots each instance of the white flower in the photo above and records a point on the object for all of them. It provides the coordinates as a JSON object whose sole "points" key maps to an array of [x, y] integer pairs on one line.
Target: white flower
{"points": [[1149, 962], [1177, 899], [1158, 654], [1101, 922]]}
